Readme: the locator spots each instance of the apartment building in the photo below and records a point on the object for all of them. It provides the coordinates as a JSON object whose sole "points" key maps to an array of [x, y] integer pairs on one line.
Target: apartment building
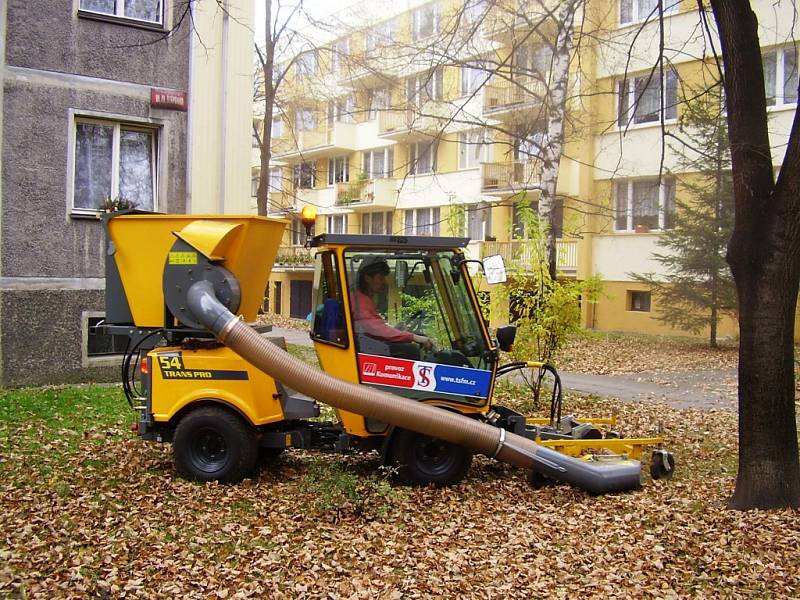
{"points": [[105, 104], [432, 121]]}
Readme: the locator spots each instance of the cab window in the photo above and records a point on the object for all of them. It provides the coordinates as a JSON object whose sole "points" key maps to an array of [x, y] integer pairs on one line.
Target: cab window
{"points": [[329, 323]]}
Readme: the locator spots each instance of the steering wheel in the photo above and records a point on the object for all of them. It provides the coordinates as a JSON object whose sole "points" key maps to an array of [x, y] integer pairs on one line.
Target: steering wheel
{"points": [[416, 322]]}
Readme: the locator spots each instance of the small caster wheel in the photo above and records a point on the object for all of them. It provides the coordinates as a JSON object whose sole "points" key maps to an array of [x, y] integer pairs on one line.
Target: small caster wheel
{"points": [[537, 480], [662, 465]]}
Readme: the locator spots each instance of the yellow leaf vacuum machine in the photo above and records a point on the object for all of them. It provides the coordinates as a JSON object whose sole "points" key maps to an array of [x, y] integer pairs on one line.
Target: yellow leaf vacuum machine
{"points": [[406, 358]]}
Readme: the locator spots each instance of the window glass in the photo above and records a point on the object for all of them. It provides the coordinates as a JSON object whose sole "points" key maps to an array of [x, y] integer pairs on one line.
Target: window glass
{"points": [[642, 96], [114, 162], [337, 224], [422, 294], [479, 221], [790, 78], [141, 10], [645, 203], [329, 318], [471, 150], [475, 9], [304, 120], [103, 344], [304, 175], [145, 10], [423, 158], [275, 180], [94, 146], [136, 168], [472, 77], [424, 21]]}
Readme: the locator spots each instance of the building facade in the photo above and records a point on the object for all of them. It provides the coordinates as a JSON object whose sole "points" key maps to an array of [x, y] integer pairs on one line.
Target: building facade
{"points": [[432, 121], [97, 113]]}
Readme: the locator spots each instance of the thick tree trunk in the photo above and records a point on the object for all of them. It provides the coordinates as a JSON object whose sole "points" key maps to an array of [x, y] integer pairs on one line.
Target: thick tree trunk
{"points": [[764, 254], [556, 110]]}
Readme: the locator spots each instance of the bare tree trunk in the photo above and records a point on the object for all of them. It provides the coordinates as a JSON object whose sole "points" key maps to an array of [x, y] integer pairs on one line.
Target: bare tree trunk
{"points": [[764, 254], [556, 110], [266, 59]]}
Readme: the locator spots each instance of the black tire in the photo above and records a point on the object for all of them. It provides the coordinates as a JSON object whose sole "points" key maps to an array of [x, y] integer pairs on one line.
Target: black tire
{"points": [[423, 460], [214, 444], [658, 468]]}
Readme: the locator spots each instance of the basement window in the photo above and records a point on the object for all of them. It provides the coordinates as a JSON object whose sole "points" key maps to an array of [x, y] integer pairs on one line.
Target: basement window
{"points": [[638, 301], [103, 344]]}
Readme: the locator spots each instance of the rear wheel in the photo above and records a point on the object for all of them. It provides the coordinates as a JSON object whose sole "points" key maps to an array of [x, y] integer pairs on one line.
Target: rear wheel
{"points": [[423, 460], [214, 444]]}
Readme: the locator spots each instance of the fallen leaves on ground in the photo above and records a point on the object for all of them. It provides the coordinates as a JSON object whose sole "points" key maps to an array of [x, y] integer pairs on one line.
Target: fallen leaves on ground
{"points": [[89, 511], [615, 354]]}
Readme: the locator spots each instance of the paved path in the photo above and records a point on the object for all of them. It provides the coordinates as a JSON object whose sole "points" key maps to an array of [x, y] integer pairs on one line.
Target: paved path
{"points": [[707, 390]]}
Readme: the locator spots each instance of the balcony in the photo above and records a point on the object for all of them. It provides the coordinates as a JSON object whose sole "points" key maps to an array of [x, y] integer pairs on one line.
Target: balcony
{"points": [[409, 124], [369, 68], [368, 193], [507, 98], [311, 143], [501, 179], [521, 252], [294, 258]]}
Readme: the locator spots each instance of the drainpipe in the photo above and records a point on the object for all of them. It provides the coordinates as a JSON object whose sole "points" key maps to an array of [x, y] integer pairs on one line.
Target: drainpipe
{"points": [[224, 106]]}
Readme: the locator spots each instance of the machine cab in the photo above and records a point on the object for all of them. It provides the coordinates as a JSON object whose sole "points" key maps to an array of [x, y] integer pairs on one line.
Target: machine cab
{"points": [[402, 312]]}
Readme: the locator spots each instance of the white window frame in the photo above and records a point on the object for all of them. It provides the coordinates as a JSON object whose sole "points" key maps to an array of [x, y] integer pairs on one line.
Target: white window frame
{"points": [[334, 164], [380, 36], [386, 222], [473, 10], [159, 129], [340, 50], [376, 106], [275, 182], [417, 20], [425, 87], [668, 106], [368, 163], [411, 221], [776, 97], [414, 154], [670, 6], [276, 130], [473, 148], [666, 200], [297, 171], [307, 64], [480, 213], [474, 74], [119, 13], [332, 221], [301, 123]]}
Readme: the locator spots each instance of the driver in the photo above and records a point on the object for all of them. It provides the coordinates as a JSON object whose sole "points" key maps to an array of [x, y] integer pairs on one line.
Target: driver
{"points": [[366, 320]]}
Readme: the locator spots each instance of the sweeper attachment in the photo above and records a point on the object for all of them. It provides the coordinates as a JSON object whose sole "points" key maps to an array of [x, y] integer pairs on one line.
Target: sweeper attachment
{"points": [[184, 287]]}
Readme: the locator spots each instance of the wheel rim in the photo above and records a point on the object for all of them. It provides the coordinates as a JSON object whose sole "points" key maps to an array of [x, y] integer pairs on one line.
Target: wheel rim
{"points": [[435, 457], [208, 450]]}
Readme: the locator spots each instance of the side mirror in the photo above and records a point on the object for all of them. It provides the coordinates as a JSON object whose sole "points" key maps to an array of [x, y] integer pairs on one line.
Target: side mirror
{"points": [[495, 269], [506, 336], [401, 274]]}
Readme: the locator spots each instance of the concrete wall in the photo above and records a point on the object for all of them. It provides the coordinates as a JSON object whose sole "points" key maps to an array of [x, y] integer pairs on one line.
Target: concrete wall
{"points": [[58, 65]]}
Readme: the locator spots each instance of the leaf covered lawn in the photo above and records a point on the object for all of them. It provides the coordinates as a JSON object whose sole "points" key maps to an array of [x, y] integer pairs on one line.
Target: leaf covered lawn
{"points": [[89, 511]]}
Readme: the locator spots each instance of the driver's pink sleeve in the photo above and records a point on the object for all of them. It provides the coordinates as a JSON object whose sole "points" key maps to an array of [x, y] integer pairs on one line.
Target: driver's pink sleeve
{"points": [[367, 320]]}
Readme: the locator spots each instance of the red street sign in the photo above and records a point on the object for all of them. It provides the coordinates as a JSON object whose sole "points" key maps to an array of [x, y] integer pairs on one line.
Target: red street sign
{"points": [[169, 99]]}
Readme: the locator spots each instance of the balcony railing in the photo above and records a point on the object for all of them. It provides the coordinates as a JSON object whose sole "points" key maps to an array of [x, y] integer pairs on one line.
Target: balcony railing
{"points": [[394, 120], [506, 95], [354, 191], [511, 175], [294, 256], [525, 253]]}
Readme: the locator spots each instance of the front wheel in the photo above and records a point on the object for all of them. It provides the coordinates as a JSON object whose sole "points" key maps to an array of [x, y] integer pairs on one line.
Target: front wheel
{"points": [[214, 444], [423, 460]]}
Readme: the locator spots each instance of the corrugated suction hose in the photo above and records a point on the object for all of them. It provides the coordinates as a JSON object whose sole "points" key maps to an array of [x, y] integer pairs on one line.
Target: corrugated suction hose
{"points": [[401, 412]]}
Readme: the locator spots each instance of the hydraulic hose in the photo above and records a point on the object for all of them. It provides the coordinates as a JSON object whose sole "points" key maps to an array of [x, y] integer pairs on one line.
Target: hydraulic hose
{"points": [[401, 412]]}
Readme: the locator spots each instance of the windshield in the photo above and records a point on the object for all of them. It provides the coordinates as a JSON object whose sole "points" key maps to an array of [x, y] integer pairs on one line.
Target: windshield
{"points": [[399, 297]]}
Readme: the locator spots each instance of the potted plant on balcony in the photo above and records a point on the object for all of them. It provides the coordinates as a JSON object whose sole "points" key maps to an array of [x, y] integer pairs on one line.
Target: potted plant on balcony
{"points": [[642, 228]]}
